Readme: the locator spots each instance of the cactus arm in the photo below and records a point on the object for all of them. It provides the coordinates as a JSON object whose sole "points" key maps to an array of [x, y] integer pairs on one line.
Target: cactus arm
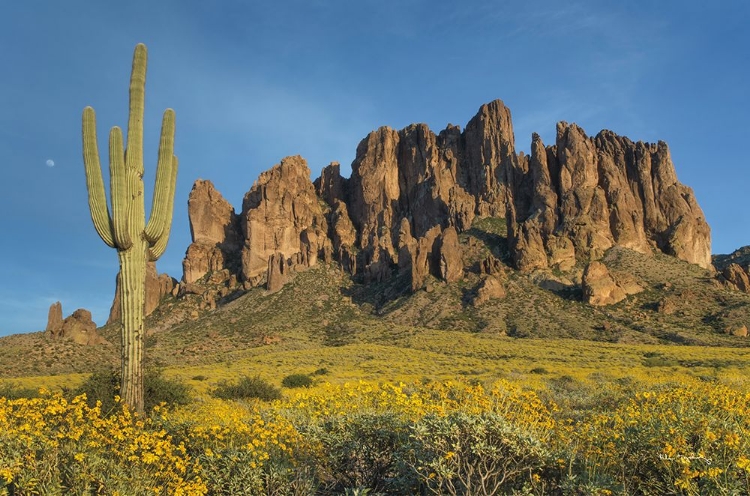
{"points": [[157, 249], [161, 209], [118, 185], [134, 158], [94, 182]]}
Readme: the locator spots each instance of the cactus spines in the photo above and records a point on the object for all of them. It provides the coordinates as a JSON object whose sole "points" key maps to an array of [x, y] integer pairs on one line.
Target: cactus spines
{"points": [[124, 226]]}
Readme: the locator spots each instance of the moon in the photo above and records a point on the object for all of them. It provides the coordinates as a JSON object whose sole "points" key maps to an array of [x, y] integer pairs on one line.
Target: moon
{"points": [[50, 162]]}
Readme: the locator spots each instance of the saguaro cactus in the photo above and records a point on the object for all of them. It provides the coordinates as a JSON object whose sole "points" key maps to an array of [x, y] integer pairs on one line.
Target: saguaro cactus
{"points": [[124, 227]]}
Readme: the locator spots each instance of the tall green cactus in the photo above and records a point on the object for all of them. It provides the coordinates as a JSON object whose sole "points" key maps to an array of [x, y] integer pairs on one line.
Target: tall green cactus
{"points": [[125, 227]]}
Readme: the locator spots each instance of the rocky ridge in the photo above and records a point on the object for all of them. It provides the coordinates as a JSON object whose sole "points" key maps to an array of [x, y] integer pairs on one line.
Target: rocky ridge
{"points": [[413, 192]]}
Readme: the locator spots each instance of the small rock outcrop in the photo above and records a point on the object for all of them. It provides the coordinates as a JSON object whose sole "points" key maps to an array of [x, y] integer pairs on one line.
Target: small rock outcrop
{"points": [[576, 199], [737, 331], [490, 288], [77, 327], [600, 288], [451, 266], [737, 277], [54, 319], [277, 273]]}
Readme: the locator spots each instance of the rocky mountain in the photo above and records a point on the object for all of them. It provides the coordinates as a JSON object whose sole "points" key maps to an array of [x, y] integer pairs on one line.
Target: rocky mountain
{"points": [[412, 192]]}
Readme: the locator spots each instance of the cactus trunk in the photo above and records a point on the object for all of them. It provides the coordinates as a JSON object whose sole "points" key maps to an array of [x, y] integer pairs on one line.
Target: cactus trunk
{"points": [[125, 228], [132, 284]]}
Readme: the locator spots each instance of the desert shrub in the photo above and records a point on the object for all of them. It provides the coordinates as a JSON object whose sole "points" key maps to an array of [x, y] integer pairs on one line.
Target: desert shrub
{"points": [[361, 450], [659, 361], [480, 454], [243, 448], [691, 439], [199, 378], [14, 391], [297, 381], [247, 388], [104, 386], [158, 390], [539, 370]]}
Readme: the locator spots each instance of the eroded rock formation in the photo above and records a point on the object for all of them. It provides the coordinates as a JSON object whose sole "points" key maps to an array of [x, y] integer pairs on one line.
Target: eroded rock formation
{"points": [[278, 209], [77, 327], [576, 199], [412, 192], [215, 231], [601, 288]]}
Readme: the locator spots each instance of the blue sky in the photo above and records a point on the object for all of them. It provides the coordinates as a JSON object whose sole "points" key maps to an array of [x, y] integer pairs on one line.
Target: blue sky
{"points": [[252, 82]]}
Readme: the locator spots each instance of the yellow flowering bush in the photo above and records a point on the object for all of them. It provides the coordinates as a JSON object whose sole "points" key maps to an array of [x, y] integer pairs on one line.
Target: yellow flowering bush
{"points": [[49, 445], [431, 437], [687, 439]]}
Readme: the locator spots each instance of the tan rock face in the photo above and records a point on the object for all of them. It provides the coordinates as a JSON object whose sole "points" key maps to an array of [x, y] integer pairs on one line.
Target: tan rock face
{"points": [[431, 180], [78, 327], [600, 288], [216, 234], [489, 288], [342, 229], [330, 186], [54, 319], [583, 195], [488, 154], [280, 206], [278, 272], [451, 264], [737, 276]]}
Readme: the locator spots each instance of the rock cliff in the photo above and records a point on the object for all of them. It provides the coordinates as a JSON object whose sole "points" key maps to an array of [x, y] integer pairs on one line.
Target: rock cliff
{"points": [[413, 192], [576, 199]]}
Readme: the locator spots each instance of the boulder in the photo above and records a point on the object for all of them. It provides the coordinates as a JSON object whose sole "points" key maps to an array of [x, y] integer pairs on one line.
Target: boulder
{"points": [[599, 287], [667, 305], [489, 288], [737, 277], [737, 331]]}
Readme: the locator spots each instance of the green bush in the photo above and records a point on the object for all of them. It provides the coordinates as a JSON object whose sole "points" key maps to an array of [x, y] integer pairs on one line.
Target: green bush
{"points": [[246, 388], [103, 386], [483, 454], [15, 392], [363, 450], [297, 381]]}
